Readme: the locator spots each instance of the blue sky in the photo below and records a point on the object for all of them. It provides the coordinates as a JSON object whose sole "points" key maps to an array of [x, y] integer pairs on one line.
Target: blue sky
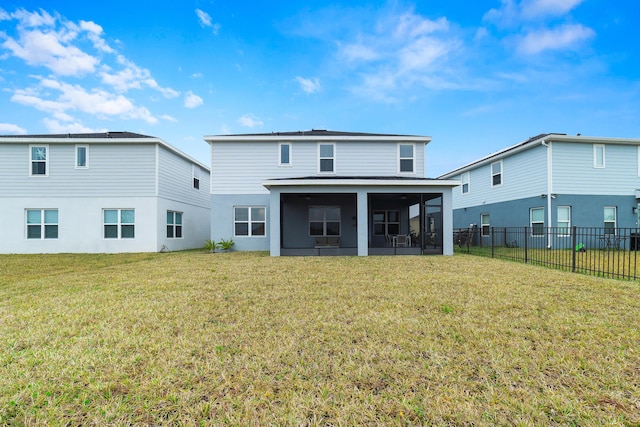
{"points": [[476, 76]]}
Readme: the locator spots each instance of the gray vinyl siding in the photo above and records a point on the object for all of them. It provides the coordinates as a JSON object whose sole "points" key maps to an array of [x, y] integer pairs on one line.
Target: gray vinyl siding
{"points": [[116, 170], [175, 180], [524, 174], [573, 171], [242, 167]]}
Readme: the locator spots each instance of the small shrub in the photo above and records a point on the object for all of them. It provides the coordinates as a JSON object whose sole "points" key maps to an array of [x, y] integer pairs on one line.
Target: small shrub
{"points": [[210, 245], [225, 245]]}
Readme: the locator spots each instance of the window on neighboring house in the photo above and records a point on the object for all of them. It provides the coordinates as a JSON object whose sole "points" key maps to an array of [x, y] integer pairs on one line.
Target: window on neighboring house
{"points": [[485, 224], [610, 220], [174, 225], [496, 173], [326, 158], [284, 150], [537, 221], [196, 177], [82, 157], [465, 183], [324, 221], [39, 160], [598, 155], [386, 222], [119, 223], [42, 223], [564, 220], [249, 221], [406, 159]]}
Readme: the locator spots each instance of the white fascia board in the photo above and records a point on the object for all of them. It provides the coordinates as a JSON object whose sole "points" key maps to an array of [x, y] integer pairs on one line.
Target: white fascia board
{"points": [[594, 139], [315, 138], [360, 183]]}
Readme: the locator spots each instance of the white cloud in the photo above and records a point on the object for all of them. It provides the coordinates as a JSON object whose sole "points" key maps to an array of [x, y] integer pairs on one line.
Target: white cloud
{"points": [[99, 103], [539, 8], [9, 128], [48, 49], [191, 100], [359, 52], [94, 33], [133, 77], [168, 118], [249, 120], [196, 75], [55, 126], [205, 21], [309, 85], [564, 37]]}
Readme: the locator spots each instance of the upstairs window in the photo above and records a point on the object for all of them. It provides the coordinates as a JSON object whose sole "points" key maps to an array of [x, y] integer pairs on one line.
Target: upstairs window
{"points": [[39, 160], [496, 174], [119, 223], [465, 183], [537, 221], [82, 157], [174, 225], [598, 155], [284, 153], [196, 177], [326, 158], [406, 159], [610, 220], [42, 223]]}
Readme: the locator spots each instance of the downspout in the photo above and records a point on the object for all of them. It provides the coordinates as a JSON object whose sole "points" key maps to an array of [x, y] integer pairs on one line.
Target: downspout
{"points": [[549, 191]]}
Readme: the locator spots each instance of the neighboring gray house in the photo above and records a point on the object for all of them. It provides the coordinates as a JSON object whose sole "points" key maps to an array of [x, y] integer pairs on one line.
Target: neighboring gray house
{"points": [[551, 180], [100, 192], [321, 192]]}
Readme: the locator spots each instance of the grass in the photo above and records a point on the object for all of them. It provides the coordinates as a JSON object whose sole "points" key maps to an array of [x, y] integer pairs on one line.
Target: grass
{"points": [[193, 338]]}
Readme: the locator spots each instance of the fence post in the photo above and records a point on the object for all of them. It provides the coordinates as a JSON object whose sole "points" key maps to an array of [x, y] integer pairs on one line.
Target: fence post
{"points": [[573, 249], [492, 241], [526, 244]]}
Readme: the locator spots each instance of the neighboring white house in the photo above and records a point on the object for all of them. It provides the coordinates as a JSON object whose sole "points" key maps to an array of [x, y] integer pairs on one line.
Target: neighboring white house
{"points": [[100, 192], [552, 180], [320, 192]]}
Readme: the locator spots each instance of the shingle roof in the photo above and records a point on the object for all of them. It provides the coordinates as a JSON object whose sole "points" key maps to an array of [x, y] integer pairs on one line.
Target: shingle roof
{"points": [[316, 132], [95, 135]]}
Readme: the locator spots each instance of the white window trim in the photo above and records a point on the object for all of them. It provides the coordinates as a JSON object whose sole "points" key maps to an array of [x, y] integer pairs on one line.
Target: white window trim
{"points": [[334, 158], [42, 224], [638, 160], [195, 172], [595, 157], [86, 148], [537, 222], [250, 221], [615, 219], [46, 160], [413, 159], [324, 221], [468, 175], [119, 224], [290, 164], [482, 225], [174, 225], [501, 173], [568, 233]]}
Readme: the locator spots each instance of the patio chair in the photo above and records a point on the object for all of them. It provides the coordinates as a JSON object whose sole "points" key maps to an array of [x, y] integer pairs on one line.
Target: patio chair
{"points": [[403, 241]]}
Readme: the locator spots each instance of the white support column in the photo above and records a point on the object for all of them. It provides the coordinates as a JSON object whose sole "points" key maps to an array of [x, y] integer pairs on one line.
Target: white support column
{"points": [[363, 223], [274, 222], [447, 223]]}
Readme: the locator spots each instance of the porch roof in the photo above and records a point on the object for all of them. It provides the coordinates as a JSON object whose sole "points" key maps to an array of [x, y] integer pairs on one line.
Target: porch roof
{"points": [[360, 181]]}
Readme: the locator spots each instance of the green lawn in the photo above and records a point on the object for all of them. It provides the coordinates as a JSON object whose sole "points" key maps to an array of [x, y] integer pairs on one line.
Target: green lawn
{"points": [[193, 338]]}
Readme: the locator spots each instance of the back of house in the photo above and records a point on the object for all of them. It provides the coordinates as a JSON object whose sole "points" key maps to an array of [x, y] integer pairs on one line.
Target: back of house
{"points": [[99, 192]]}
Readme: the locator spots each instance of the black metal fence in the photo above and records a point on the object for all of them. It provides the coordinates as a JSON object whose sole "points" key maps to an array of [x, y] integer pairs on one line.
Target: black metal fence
{"points": [[604, 252]]}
